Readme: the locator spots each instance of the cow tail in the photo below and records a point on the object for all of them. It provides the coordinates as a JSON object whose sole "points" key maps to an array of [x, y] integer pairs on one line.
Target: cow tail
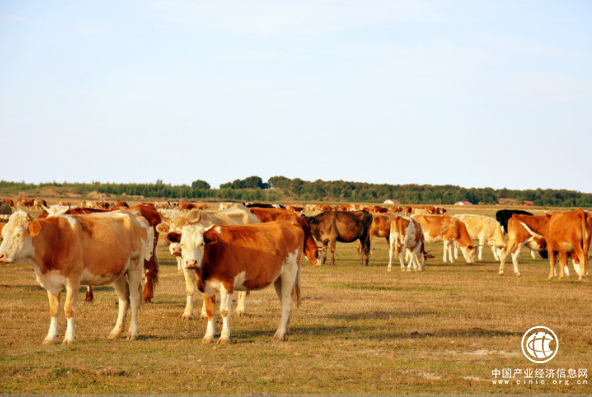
{"points": [[156, 272], [586, 231]]}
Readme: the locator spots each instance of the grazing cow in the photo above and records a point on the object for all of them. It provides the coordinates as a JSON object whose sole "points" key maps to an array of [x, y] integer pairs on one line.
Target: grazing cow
{"points": [[8, 201], [263, 205], [450, 230], [311, 250], [25, 202], [73, 250], [121, 204], [5, 208], [406, 235], [187, 206], [519, 237], [381, 227], [503, 216], [486, 230], [151, 266], [566, 233], [344, 226], [238, 215], [243, 258]]}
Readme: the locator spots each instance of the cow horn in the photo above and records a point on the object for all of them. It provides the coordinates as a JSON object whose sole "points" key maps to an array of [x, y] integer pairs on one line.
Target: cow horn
{"points": [[46, 209]]}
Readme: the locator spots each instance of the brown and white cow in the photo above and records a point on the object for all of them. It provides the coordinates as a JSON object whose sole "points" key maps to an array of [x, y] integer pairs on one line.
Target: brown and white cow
{"points": [[73, 250], [344, 226], [25, 202], [311, 250], [566, 233], [450, 230], [487, 230], [237, 215], [151, 266], [406, 235], [519, 236], [243, 258], [381, 227]]}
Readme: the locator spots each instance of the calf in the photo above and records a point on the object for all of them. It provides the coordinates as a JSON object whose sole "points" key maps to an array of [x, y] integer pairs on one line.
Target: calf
{"points": [[73, 250], [244, 258]]}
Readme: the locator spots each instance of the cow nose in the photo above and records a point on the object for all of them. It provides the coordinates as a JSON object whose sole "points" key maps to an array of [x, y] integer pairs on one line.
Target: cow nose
{"points": [[191, 264], [177, 251]]}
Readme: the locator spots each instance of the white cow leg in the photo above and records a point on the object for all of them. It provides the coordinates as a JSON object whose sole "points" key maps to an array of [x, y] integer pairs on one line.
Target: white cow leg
{"points": [[225, 308], [122, 288], [135, 286], [241, 306], [210, 329], [190, 281], [480, 251], [285, 284], [70, 311], [54, 312]]}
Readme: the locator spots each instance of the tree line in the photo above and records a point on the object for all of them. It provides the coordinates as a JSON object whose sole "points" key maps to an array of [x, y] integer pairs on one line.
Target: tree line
{"points": [[282, 189]]}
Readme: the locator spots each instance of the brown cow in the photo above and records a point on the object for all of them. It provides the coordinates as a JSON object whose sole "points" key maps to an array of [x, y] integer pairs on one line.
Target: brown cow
{"points": [[311, 250], [448, 229], [73, 250], [344, 226], [25, 202], [243, 258], [519, 237], [151, 266], [566, 233]]}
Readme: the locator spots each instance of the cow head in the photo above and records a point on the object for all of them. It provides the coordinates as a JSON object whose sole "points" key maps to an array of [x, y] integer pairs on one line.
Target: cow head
{"points": [[18, 236], [469, 253], [192, 241]]}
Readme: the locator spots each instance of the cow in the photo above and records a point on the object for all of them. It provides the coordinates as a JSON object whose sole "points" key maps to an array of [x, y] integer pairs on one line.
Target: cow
{"points": [[263, 205], [381, 227], [566, 233], [8, 201], [406, 235], [238, 215], [187, 206], [450, 230], [486, 230], [151, 266], [73, 250], [311, 250], [25, 202], [503, 217], [243, 258], [344, 226], [519, 237], [5, 208], [121, 204]]}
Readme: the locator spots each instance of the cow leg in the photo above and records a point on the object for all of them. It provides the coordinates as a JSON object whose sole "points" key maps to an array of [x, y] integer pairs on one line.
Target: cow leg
{"points": [[135, 286], [241, 306], [448, 250], [366, 248], [284, 286], [495, 252], [552, 259], [562, 263], [151, 275], [481, 245], [392, 250], [225, 308], [190, 283], [89, 294], [333, 243], [122, 288], [210, 330], [70, 311], [54, 311], [325, 246]]}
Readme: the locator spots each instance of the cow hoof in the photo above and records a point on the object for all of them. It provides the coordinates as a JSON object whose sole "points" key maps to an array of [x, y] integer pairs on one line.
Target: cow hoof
{"points": [[207, 340], [49, 341], [223, 341], [114, 335], [518, 275], [277, 338], [68, 342], [501, 273], [240, 313], [187, 317], [132, 337]]}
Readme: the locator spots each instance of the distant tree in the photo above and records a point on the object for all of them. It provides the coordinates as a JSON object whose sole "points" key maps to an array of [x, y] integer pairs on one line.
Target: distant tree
{"points": [[199, 184]]}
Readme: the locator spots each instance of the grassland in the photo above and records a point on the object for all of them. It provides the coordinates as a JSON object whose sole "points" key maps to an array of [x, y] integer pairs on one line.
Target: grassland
{"points": [[359, 330]]}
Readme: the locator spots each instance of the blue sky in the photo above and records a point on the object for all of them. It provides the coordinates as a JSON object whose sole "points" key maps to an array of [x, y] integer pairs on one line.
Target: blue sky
{"points": [[471, 93]]}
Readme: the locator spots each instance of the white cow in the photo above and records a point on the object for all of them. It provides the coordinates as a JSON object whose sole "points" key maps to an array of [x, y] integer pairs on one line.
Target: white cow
{"points": [[486, 230]]}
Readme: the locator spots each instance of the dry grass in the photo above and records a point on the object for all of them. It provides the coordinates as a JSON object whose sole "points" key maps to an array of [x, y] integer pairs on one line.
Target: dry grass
{"points": [[359, 330]]}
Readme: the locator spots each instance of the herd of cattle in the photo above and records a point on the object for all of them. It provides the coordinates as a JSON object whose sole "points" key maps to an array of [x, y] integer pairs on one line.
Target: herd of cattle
{"points": [[250, 246]]}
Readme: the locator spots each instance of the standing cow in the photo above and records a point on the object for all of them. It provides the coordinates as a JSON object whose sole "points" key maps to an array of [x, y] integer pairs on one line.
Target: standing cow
{"points": [[73, 250], [243, 258], [406, 235], [344, 226]]}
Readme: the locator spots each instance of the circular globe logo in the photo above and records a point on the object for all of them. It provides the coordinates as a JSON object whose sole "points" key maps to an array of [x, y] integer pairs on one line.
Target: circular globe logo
{"points": [[540, 344]]}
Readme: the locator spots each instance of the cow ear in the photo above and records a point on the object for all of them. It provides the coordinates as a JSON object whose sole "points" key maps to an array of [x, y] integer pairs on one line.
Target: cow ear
{"points": [[163, 228], [174, 237], [211, 238], [34, 228]]}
